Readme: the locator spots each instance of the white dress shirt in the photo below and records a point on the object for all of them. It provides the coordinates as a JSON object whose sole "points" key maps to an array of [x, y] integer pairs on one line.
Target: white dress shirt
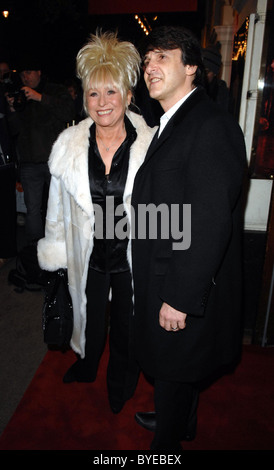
{"points": [[166, 117]]}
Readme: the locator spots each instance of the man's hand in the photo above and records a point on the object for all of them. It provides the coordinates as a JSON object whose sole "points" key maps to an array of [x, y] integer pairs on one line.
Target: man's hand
{"points": [[31, 94], [171, 319]]}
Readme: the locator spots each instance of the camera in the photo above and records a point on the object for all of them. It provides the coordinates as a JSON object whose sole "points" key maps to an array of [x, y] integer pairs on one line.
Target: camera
{"points": [[12, 87]]}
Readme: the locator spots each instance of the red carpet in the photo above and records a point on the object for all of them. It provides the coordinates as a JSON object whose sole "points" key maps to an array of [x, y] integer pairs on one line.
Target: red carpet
{"points": [[235, 413]]}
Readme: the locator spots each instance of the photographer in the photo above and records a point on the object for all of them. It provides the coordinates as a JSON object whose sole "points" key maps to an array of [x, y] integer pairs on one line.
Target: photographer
{"points": [[7, 178], [38, 112], [7, 151]]}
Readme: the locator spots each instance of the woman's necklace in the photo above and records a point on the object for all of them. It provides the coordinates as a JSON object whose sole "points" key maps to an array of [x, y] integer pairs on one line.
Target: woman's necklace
{"points": [[111, 145]]}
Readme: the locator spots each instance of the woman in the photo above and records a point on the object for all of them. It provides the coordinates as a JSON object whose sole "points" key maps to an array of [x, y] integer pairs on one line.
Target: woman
{"points": [[93, 166]]}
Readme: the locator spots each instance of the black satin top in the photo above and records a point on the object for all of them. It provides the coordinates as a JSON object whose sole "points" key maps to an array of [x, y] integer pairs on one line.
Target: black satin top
{"points": [[110, 251]]}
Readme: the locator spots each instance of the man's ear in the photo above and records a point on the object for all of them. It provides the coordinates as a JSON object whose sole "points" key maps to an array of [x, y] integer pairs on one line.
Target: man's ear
{"points": [[191, 69]]}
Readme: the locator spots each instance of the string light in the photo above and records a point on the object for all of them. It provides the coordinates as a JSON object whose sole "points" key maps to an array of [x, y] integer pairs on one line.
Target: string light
{"points": [[240, 43], [145, 28]]}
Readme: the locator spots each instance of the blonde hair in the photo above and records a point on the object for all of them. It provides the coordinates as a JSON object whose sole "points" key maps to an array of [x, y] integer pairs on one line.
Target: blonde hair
{"points": [[107, 60]]}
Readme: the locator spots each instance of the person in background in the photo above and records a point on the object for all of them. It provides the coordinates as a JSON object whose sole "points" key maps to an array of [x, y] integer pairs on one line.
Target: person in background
{"points": [[37, 114], [77, 96], [8, 245], [5, 139], [187, 284], [216, 88], [93, 165], [4, 69]]}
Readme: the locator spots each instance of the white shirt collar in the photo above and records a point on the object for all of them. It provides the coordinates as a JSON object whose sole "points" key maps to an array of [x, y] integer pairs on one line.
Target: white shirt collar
{"points": [[166, 117]]}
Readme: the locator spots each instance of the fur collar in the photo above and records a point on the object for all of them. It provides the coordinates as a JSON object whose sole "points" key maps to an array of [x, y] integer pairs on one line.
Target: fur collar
{"points": [[69, 159]]}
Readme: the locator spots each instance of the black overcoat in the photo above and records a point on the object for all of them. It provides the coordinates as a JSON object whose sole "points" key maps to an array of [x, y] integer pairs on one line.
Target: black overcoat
{"points": [[199, 159]]}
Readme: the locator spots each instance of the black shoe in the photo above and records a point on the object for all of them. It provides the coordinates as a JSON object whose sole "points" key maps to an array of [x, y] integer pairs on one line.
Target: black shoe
{"points": [[77, 373], [69, 377], [116, 407], [148, 421]]}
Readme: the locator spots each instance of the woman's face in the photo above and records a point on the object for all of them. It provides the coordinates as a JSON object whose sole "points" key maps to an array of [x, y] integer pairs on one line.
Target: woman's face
{"points": [[105, 105]]}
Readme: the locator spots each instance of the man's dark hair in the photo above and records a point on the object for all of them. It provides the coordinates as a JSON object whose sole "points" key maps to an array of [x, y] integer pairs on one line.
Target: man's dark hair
{"points": [[176, 37]]}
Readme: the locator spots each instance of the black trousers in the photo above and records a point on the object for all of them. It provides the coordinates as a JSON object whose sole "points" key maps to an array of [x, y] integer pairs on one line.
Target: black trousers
{"points": [[123, 371], [176, 413], [35, 179]]}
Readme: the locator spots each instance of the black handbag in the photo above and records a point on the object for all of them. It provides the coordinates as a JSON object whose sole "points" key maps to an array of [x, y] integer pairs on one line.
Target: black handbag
{"points": [[57, 310]]}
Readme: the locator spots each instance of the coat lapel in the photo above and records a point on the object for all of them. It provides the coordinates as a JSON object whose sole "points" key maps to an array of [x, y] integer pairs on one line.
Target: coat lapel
{"points": [[69, 162], [158, 141], [69, 159], [177, 117]]}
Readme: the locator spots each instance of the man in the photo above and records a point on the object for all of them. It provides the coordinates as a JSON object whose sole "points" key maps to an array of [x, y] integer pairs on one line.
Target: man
{"points": [[216, 88], [7, 178], [5, 141], [187, 292], [4, 69], [38, 113]]}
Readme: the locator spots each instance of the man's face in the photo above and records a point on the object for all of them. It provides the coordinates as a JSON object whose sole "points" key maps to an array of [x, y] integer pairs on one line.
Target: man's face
{"points": [[4, 68], [31, 78], [166, 77], [210, 75]]}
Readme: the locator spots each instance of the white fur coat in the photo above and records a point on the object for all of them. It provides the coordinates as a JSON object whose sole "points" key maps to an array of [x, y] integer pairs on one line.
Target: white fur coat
{"points": [[68, 241]]}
